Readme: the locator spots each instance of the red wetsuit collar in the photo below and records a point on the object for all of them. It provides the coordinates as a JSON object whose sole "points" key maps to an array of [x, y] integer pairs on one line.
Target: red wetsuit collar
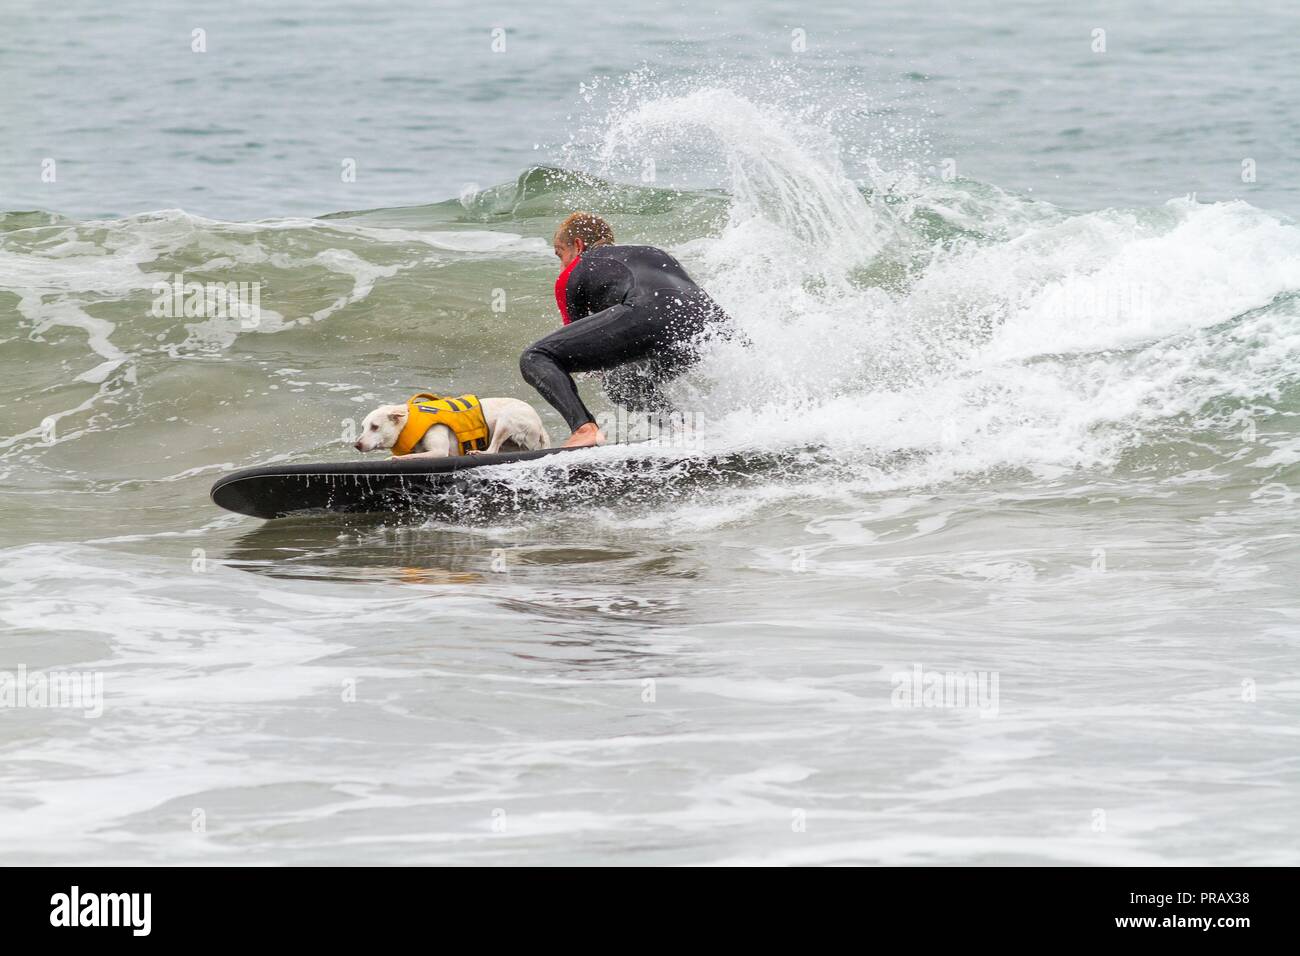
{"points": [[561, 286]]}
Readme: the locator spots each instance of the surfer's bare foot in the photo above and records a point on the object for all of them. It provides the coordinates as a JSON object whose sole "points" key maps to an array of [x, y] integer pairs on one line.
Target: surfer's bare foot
{"points": [[585, 436]]}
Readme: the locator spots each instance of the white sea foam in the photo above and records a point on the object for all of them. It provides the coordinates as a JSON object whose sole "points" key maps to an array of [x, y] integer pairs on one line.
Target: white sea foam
{"points": [[1051, 347]]}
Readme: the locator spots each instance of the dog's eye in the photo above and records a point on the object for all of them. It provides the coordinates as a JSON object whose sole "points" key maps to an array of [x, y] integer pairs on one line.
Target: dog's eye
{"points": [[374, 428]]}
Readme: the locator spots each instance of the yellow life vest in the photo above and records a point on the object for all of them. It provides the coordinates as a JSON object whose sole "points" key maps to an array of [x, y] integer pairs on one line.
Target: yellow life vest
{"points": [[463, 415]]}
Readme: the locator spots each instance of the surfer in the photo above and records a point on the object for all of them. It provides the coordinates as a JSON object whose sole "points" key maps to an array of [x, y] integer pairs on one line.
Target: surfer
{"points": [[630, 313]]}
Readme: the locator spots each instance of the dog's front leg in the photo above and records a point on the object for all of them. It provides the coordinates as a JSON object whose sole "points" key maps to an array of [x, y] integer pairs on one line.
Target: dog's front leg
{"points": [[438, 442], [499, 437]]}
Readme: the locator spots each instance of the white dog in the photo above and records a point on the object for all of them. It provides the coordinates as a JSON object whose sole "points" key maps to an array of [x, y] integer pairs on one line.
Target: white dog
{"points": [[512, 425]]}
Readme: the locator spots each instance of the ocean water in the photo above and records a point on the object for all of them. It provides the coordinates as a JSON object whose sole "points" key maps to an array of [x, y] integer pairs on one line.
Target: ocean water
{"points": [[984, 546]]}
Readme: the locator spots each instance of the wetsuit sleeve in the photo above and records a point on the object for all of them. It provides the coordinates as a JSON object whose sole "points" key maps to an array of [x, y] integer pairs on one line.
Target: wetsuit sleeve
{"points": [[598, 283]]}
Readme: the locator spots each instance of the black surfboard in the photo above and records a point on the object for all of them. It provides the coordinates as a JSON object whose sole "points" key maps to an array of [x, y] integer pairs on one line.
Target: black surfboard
{"points": [[276, 491]]}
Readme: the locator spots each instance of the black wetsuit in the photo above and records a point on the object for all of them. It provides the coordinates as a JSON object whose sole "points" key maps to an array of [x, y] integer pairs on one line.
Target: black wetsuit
{"points": [[634, 314]]}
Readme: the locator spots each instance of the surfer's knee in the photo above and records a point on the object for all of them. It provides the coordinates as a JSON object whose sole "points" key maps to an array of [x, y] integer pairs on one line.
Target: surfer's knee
{"points": [[532, 362]]}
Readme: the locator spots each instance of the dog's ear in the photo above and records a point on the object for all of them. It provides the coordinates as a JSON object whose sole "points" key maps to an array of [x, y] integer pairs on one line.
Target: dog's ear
{"points": [[397, 417]]}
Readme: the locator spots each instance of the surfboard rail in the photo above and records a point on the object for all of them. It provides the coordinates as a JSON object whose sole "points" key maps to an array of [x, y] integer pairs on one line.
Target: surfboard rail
{"points": [[277, 491]]}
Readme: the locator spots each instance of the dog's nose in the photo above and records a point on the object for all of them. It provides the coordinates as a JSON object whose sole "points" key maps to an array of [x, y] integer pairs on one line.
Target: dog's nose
{"points": [[357, 445]]}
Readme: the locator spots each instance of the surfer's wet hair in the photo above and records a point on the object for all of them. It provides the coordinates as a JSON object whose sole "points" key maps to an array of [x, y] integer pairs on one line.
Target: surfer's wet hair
{"points": [[588, 227]]}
